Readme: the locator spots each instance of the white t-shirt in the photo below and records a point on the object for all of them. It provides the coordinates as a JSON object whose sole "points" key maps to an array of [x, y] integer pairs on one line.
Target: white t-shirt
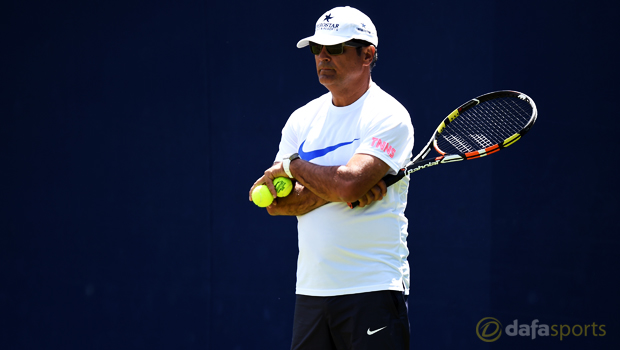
{"points": [[343, 250]]}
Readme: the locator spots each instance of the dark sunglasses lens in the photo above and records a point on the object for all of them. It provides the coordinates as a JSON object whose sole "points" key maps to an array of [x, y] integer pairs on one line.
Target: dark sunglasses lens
{"points": [[316, 48], [331, 49], [335, 49]]}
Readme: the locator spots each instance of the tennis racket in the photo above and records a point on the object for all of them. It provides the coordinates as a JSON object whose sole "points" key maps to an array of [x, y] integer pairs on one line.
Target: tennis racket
{"points": [[479, 127]]}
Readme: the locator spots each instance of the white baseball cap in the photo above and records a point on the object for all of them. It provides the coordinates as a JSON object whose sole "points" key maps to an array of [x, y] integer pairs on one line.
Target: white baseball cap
{"points": [[342, 24]]}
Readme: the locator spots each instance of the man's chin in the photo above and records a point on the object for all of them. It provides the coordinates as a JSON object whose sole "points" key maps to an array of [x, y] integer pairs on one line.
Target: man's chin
{"points": [[326, 79]]}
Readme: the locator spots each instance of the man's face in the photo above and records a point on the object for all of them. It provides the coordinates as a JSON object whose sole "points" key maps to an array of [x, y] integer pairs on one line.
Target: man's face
{"points": [[339, 70]]}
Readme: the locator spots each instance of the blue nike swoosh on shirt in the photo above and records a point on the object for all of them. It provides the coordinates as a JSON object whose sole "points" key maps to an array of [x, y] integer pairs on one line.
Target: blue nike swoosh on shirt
{"points": [[308, 156]]}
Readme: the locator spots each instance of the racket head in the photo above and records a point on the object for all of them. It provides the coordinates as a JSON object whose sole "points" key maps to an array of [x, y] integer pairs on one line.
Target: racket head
{"points": [[484, 125], [481, 126]]}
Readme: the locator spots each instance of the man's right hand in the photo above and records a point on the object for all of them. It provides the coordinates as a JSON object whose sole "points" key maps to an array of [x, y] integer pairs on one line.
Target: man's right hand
{"points": [[376, 193]]}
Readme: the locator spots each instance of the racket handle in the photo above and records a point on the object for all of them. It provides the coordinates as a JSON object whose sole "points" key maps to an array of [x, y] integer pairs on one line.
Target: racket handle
{"points": [[389, 181]]}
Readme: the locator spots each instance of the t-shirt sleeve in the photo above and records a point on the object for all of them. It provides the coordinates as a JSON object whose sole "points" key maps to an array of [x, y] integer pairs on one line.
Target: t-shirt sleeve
{"points": [[289, 140], [389, 139]]}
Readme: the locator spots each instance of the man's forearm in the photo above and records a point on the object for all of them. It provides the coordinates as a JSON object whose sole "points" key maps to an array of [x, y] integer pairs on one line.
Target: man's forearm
{"points": [[301, 201], [346, 183], [320, 180]]}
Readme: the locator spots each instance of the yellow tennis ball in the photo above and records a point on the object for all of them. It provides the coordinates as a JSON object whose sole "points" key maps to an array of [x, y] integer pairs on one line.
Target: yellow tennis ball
{"points": [[261, 196], [283, 186]]}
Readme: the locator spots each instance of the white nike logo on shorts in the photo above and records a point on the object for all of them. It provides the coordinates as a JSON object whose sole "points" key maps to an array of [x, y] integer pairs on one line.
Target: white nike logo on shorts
{"points": [[369, 332]]}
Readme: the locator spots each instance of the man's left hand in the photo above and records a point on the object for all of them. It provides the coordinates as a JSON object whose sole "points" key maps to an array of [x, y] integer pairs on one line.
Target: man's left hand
{"points": [[276, 170]]}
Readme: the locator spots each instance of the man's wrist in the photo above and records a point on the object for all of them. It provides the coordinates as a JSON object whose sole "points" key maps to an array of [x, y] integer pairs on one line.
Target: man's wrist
{"points": [[286, 164]]}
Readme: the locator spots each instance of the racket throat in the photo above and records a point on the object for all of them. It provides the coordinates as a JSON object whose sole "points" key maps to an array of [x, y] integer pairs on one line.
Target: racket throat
{"points": [[426, 163]]}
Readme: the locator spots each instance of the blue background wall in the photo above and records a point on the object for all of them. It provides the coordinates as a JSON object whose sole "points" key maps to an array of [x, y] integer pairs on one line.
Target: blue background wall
{"points": [[131, 131]]}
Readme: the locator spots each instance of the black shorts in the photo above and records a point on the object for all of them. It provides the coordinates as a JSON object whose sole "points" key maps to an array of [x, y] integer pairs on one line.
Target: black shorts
{"points": [[373, 320]]}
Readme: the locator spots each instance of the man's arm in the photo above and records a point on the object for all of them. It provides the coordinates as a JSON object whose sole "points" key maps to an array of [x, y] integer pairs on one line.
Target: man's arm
{"points": [[301, 201], [347, 183], [359, 179]]}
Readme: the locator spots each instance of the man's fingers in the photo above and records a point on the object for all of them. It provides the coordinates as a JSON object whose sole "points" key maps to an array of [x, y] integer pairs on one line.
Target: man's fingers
{"points": [[366, 199], [376, 193], [383, 187], [256, 183], [266, 180], [272, 188]]}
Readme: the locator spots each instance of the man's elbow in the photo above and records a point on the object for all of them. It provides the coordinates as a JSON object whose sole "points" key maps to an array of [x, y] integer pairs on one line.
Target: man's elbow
{"points": [[351, 193]]}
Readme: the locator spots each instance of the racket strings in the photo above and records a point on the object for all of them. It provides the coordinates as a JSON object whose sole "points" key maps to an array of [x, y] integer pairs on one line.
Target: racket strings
{"points": [[484, 125]]}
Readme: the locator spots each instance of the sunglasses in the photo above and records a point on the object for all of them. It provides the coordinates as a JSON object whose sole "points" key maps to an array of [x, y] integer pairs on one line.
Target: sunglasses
{"points": [[337, 49]]}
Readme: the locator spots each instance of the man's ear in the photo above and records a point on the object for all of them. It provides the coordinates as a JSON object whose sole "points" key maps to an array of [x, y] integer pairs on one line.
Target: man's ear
{"points": [[369, 54]]}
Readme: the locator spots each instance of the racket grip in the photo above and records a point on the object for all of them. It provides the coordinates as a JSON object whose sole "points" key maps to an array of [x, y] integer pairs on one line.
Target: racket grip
{"points": [[389, 181]]}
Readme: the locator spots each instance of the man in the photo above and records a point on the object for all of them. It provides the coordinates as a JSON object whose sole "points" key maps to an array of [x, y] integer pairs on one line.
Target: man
{"points": [[352, 274]]}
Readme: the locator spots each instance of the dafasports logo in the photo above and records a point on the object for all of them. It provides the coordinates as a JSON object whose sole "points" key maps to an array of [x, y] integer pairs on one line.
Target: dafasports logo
{"points": [[490, 329]]}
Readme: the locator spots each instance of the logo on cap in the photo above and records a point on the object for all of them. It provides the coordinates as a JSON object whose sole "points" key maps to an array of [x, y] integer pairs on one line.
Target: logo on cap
{"points": [[328, 25]]}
